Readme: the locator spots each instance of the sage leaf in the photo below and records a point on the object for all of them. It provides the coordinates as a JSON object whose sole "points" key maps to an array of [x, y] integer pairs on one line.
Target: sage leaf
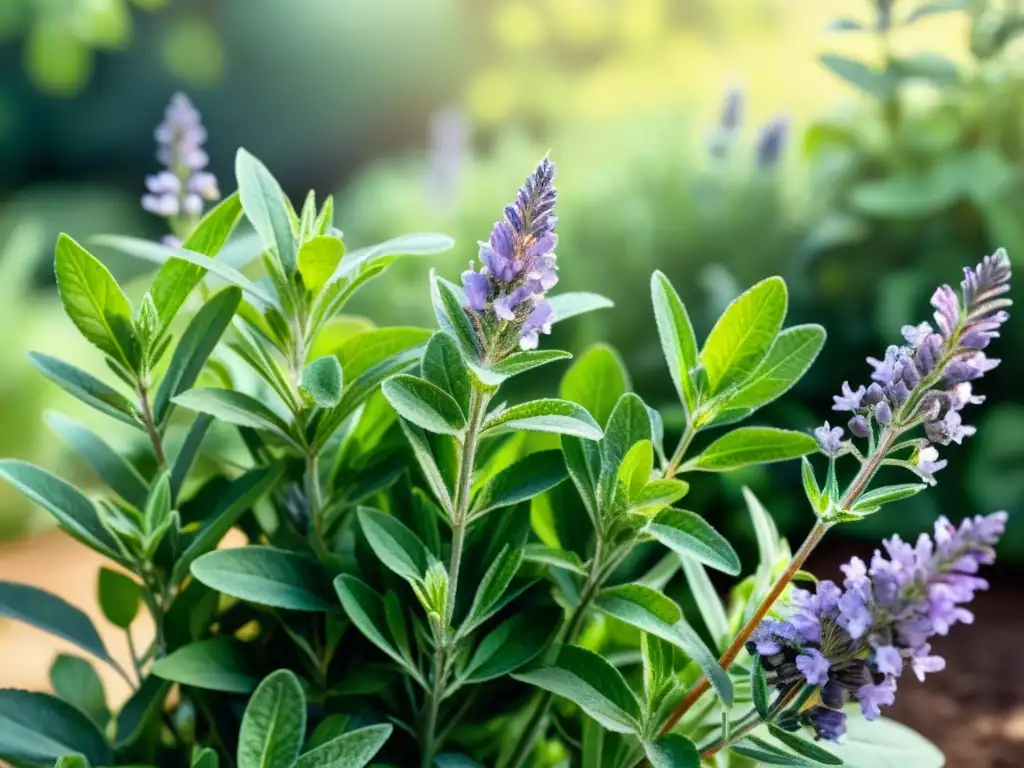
{"points": [[141, 709], [573, 303], [558, 417], [528, 477], [38, 728], [689, 535], [790, 357], [596, 380], [672, 751], [323, 380], [119, 597], [751, 445], [216, 664], [75, 681], [235, 408], [266, 576], [274, 723], [744, 334], [591, 683], [444, 367], [424, 404], [318, 259], [266, 208], [678, 342], [398, 548], [95, 303], [513, 643], [87, 388], [354, 749]]}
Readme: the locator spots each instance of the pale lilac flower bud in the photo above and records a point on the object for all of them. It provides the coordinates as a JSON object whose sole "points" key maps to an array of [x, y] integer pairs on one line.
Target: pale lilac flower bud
{"points": [[771, 143], [161, 205], [849, 400], [859, 426], [883, 413], [205, 185], [874, 394]]}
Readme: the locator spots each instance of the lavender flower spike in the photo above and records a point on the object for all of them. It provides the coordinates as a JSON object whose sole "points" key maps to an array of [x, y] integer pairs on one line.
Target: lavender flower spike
{"points": [[179, 192], [505, 298], [929, 380], [857, 641]]}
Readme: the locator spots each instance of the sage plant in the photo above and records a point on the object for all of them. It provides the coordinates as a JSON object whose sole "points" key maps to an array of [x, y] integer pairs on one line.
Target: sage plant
{"points": [[435, 575]]}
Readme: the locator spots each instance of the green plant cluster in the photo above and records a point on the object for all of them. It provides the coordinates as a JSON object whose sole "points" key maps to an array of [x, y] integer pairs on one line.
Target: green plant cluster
{"points": [[432, 575]]}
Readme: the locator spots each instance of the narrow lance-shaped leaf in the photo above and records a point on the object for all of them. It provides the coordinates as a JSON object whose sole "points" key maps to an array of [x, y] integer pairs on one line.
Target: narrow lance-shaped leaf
{"points": [[751, 445], [451, 317], [804, 747], [628, 425], [86, 388], [558, 417], [51, 614], [528, 477], [107, 463], [444, 367], [678, 342], [216, 664], [512, 644], [652, 612], [235, 408], [398, 548], [177, 278], [266, 207], [95, 303], [73, 510], [690, 535], [266, 576], [194, 348], [591, 683], [708, 602], [142, 708]]}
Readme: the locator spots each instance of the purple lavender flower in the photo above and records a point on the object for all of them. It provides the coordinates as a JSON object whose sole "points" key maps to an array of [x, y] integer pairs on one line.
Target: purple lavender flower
{"points": [[856, 641], [771, 142], [830, 439], [928, 380], [729, 122], [180, 191], [518, 267]]}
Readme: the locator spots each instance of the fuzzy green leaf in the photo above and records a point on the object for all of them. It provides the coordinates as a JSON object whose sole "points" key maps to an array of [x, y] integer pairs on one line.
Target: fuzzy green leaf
{"points": [[177, 278], [451, 317], [708, 602], [86, 388], [804, 747], [628, 425], [444, 367], [274, 723], [74, 680], [555, 558], [109, 465], [790, 357], [493, 586], [142, 708], [591, 683], [235, 408], [365, 608], [573, 303], [266, 207], [652, 612], [559, 417], [744, 334], [354, 749], [512, 644], [751, 445], [886, 495], [528, 477], [689, 535], [398, 548], [424, 404], [672, 751], [323, 380]]}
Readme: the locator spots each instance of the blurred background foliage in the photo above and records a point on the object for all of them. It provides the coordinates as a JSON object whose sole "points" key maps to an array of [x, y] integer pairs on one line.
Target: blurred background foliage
{"points": [[863, 150]]}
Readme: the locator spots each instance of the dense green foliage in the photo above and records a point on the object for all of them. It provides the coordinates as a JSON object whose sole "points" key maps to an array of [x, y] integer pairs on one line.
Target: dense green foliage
{"points": [[432, 575]]}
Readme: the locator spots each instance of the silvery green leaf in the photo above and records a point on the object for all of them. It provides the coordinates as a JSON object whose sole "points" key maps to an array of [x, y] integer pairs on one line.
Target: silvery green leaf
{"points": [[86, 388], [235, 408], [886, 495], [591, 683], [323, 380], [804, 747], [530, 476], [142, 708], [424, 404], [398, 548], [354, 749], [790, 357], [570, 304], [689, 535], [884, 743], [558, 417], [451, 317], [708, 602], [38, 728], [215, 664], [672, 751], [444, 367], [318, 258], [109, 465], [652, 612], [266, 207], [555, 558], [493, 585], [512, 644], [628, 425], [74, 680]]}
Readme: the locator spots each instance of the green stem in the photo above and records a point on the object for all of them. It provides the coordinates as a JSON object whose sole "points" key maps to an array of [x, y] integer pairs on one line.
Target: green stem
{"points": [[460, 522], [314, 495], [535, 726], [150, 424], [684, 442]]}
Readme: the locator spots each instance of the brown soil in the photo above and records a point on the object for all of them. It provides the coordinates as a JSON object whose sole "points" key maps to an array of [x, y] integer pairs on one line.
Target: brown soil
{"points": [[974, 709]]}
